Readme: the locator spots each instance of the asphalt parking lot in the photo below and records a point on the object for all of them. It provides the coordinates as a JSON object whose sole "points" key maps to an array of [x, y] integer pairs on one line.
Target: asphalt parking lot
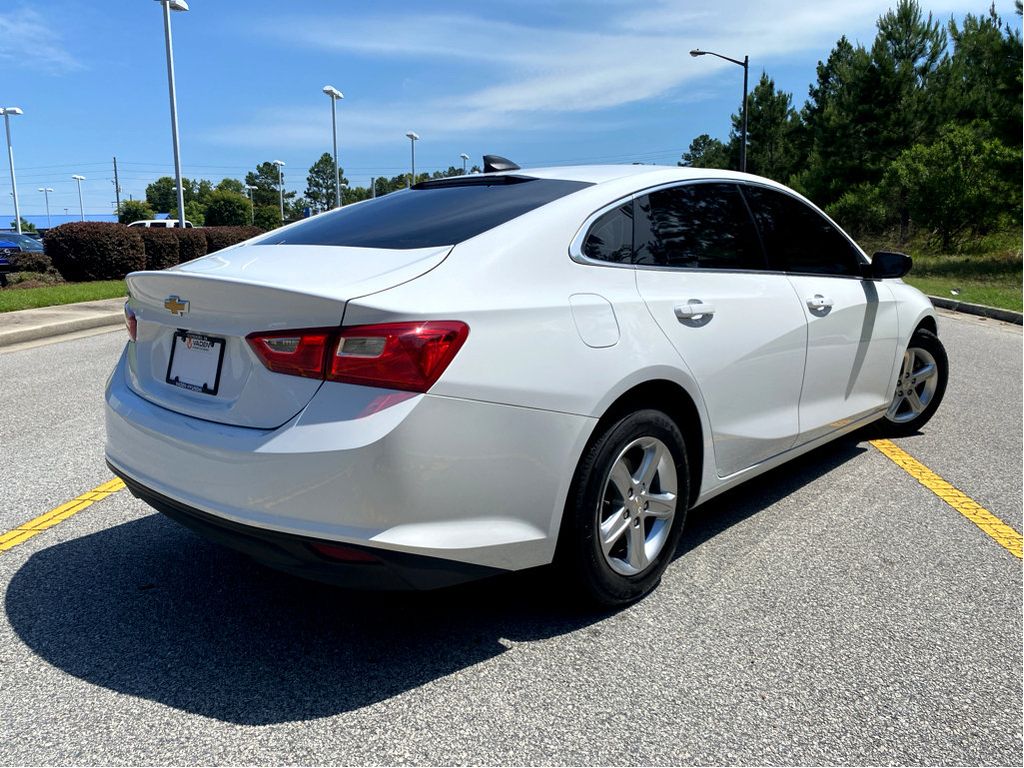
{"points": [[833, 611]]}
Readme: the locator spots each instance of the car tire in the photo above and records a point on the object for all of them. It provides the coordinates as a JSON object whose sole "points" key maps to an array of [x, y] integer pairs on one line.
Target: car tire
{"points": [[626, 510], [920, 387]]}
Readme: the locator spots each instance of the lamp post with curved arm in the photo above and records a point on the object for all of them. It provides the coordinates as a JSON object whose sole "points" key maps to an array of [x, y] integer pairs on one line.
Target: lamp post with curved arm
{"points": [[746, 66]]}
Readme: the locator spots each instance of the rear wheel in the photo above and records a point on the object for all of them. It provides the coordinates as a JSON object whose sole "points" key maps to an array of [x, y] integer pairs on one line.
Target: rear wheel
{"points": [[626, 510], [920, 386]]}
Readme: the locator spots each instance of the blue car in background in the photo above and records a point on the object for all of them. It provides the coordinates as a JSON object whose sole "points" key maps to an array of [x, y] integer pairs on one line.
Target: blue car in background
{"points": [[12, 243]]}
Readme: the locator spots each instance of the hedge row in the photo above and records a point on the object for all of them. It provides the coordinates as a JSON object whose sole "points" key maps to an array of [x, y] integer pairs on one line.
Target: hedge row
{"points": [[91, 250]]}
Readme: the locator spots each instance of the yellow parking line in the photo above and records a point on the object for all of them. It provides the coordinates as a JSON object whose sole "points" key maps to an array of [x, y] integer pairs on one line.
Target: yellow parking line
{"points": [[37, 525], [1005, 535]]}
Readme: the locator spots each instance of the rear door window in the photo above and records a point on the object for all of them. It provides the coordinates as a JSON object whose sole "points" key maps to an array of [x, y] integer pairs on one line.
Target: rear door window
{"points": [[797, 238], [696, 226], [444, 212]]}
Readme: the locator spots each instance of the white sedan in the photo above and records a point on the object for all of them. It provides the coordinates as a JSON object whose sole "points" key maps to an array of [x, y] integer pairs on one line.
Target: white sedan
{"points": [[495, 372]]}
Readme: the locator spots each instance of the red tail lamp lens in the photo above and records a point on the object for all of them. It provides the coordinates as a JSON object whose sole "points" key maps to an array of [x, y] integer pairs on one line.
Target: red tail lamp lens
{"points": [[299, 353], [342, 554], [131, 322], [409, 356]]}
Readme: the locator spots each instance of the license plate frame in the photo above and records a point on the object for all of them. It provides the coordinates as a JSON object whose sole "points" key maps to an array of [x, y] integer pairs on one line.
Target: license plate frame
{"points": [[197, 369]]}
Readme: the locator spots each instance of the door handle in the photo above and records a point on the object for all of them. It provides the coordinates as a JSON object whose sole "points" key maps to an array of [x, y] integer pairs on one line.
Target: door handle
{"points": [[694, 309], [817, 302]]}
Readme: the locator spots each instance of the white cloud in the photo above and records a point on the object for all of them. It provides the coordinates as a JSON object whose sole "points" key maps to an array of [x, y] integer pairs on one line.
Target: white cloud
{"points": [[540, 77], [27, 40]]}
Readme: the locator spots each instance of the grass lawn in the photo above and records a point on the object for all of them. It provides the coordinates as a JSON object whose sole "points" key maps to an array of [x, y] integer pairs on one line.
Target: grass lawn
{"points": [[13, 298], [985, 270]]}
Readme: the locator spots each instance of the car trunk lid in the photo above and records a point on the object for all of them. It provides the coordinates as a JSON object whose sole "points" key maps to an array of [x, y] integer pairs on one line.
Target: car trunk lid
{"points": [[191, 354]]}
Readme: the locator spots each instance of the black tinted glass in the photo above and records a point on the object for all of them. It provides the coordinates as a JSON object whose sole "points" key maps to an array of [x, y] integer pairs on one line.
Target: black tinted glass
{"points": [[697, 225], [611, 237], [799, 239], [427, 216]]}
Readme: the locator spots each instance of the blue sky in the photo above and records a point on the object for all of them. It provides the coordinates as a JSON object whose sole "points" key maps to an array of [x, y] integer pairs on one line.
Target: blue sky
{"points": [[540, 82]]}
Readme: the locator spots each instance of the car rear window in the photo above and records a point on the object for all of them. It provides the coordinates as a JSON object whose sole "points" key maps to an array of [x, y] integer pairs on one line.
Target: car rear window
{"points": [[442, 212]]}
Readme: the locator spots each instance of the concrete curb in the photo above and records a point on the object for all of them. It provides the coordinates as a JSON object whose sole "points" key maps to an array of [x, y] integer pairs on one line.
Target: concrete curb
{"points": [[1006, 315], [33, 324]]}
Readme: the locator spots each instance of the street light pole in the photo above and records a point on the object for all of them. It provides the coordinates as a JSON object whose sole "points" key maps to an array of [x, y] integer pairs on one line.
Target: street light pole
{"points": [[746, 67], [465, 159], [413, 138], [7, 112], [249, 190], [168, 6], [46, 193], [335, 95], [280, 184], [81, 206]]}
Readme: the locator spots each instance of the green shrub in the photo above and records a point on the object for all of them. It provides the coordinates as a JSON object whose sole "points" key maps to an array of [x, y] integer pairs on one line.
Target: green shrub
{"points": [[221, 237], [267, 217], [94, 250], [191, 244], [30, 261], [861, 210], [161, 247]]}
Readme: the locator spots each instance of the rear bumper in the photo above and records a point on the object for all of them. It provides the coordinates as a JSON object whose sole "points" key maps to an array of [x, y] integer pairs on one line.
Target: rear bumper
{"points": [[453, 480], [384, 570]]}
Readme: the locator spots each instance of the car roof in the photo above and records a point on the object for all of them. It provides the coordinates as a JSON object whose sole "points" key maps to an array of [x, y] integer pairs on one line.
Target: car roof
{"points": [[599, 174]]}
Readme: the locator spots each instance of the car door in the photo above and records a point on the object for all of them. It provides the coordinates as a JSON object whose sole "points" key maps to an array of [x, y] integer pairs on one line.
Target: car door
{"points": [[852, 326], [738, 328]]}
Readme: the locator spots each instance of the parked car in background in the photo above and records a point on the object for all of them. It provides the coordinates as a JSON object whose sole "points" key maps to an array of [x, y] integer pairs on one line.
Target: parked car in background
{"points": [[11, 244], [168, 223], [493, 372]]}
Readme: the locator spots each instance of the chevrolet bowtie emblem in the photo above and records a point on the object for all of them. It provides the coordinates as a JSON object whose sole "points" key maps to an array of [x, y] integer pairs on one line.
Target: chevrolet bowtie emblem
{"points": [[175, 305]]}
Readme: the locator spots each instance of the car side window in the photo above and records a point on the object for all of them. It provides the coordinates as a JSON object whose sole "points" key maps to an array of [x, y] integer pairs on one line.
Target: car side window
{"points": [[703, 226], [610, 237], [799, 239]]}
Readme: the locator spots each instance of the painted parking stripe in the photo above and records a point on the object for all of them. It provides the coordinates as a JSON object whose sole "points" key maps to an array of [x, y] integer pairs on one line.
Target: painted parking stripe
{"points": [[1006, 536], [37, 525]]}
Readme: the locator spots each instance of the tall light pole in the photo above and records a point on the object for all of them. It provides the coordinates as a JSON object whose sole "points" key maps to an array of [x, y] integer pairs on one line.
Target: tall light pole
{"points": [[7, 112], [280, 184], [335, 96], [746, 66], [413, 138], [168, 6], [465, 159], [250, 190], [81, 206], [46, 193]]}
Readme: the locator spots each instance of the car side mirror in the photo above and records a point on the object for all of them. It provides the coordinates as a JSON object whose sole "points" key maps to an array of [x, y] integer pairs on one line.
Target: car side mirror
{"points": [[888, 264]]}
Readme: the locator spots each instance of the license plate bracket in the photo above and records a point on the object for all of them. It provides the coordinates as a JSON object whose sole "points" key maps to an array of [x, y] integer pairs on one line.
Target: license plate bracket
{"points": [[195, 362]]}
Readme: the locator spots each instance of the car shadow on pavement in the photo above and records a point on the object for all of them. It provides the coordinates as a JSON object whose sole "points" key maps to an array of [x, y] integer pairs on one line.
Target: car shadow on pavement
{"points": [[147, 609]]}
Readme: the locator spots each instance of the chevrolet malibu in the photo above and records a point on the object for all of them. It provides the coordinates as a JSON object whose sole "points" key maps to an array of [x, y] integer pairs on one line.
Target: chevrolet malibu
{"points": [[493, 372]]}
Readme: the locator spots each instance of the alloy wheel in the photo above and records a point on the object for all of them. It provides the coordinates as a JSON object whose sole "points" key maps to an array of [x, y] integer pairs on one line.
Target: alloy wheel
{"points": [[915, 387]]}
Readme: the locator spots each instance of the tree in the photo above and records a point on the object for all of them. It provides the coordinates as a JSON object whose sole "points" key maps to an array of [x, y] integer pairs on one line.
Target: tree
{"points": [[267, 216], [320, 183], [958, 181], [161, 195], [134, 210], [225, 209], [706, 152], [195, 213], [230, 185], [25, 225], [264, 178], [772, 124], [985, 75]]}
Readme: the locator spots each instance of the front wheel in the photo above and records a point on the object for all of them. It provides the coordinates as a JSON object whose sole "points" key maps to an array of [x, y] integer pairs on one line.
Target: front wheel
{"points": [[627, 509], [920, 386]]}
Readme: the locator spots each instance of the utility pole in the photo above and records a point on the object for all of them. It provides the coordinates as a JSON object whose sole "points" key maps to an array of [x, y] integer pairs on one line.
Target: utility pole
{"points": [[117, 187], [373, 187]]}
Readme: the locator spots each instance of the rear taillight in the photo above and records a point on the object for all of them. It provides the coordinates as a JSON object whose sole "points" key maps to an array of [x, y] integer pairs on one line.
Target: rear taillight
{"points": [[409, 356], [131, 322]]}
